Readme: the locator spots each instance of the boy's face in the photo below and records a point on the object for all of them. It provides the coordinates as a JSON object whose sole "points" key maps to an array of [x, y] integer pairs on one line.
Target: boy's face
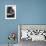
{"points": [[10, 10]]}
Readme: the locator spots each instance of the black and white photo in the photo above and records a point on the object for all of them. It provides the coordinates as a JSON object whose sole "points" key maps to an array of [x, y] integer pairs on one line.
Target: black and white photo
{"points": [[10, 11]]}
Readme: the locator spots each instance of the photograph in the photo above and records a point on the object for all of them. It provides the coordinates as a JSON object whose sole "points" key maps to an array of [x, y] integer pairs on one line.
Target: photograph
{"points": [[10, 11]]}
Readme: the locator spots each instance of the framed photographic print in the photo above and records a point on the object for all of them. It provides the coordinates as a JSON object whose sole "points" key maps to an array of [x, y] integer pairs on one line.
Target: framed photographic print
{"points": [[10, 11]]}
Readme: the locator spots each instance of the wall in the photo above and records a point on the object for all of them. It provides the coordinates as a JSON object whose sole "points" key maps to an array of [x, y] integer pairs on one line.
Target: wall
{"points": [[6, 26], [27, 12], [31, 11]]}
